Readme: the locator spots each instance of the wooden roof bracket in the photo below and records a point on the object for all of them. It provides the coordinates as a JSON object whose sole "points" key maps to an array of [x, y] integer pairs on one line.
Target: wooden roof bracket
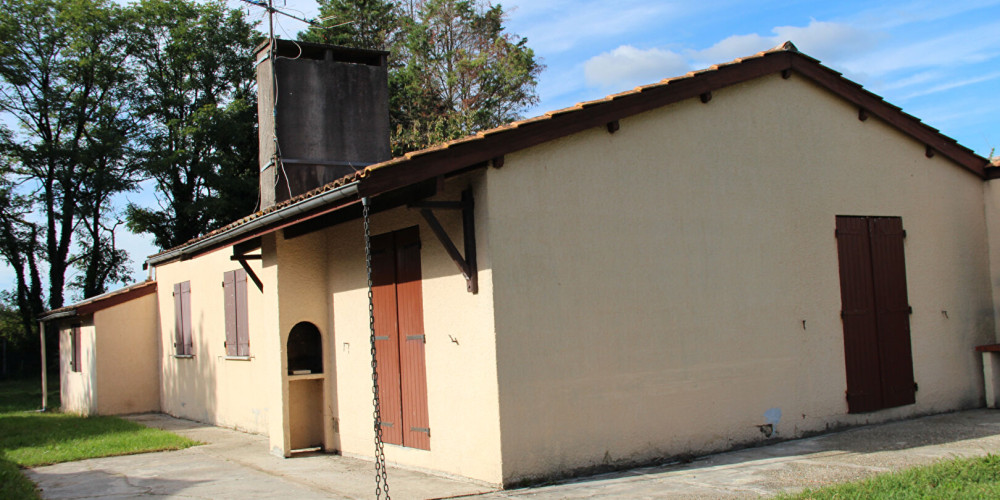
{"points": [[242, 258], [466, 264]]}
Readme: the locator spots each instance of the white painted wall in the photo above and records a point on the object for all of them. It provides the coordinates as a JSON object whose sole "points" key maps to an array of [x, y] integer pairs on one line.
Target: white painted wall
{"points": [[209, 387], [128, 374], [78, 390], [667, 289], [460, 348]]}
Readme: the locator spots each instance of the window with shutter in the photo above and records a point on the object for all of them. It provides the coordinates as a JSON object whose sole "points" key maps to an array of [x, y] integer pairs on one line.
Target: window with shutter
{"points": [[875, 313], [76, 356], [183, 343], [234, 285]]}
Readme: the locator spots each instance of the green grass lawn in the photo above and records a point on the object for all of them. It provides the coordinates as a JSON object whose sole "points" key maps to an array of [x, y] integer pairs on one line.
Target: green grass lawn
{"points": [[29, 438], [959, 478]]}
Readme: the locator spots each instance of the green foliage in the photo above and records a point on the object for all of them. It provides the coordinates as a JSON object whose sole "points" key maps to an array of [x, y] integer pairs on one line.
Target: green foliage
{"points": [[31, 439], [65, 88], [454, 70], [370, 24], [22, 395], [960, 478], [13, 484], [197, 111]]}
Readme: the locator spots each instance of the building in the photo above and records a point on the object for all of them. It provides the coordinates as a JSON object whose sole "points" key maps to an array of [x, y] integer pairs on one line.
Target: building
{"points": [[106, 346], [761, 250]]}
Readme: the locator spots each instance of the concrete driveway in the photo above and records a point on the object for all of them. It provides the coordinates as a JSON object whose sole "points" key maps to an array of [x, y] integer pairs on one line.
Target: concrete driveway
{"points": [[236, 465], [232, 465]]}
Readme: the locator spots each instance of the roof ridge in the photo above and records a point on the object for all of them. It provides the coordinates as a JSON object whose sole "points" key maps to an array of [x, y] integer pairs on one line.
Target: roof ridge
{"points": [[774, 58]]}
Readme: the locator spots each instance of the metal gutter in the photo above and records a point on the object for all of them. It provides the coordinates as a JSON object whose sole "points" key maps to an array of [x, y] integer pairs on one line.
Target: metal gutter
{"points": [[279, 215], [59, 315]]}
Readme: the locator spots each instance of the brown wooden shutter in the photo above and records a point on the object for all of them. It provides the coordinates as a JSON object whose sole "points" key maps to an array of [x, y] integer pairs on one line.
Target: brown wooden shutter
{"points": [[892, 311], [864, 391], [875, 313], [77, 348], [386, 336], [186, 317], [178, 320], [229, 292], [413, 377], [242, 315]]}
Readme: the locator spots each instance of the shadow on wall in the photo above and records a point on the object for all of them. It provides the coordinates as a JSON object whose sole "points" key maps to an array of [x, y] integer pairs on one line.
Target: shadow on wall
{"points": [[189, 384], [100, 482], [348, 245]]}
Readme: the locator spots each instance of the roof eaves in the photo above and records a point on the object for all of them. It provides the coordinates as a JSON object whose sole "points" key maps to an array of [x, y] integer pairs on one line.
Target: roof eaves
{"points": [[453, 155], [100, 302], [875, 105]]}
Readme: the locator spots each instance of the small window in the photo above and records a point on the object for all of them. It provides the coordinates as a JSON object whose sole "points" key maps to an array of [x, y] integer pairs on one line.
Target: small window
{"points": [[183, 345], [75, 356], [234, 286]]}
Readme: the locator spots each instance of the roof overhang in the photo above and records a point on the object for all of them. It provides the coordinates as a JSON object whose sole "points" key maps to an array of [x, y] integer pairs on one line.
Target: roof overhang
{"points": [[488, 146], [100, 302]]}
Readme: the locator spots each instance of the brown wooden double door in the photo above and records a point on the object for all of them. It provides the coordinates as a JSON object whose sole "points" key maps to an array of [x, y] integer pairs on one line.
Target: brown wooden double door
{"points": [[399, 338], [875, 313]]}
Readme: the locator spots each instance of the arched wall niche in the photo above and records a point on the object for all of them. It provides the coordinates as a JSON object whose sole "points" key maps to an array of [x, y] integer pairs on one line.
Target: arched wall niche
{"points": [[305, 349]]}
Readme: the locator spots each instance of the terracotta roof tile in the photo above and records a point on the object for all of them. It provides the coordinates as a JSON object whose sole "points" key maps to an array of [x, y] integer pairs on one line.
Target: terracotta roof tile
{"points": [[108, 298], [559, 113]]}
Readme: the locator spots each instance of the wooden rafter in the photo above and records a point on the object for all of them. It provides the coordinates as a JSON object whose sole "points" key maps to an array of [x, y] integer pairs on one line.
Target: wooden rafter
{"points": [[243, 259], [467, 263]]}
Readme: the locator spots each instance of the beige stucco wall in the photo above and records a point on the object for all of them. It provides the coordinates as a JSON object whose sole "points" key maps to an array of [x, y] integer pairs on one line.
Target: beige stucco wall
{"points": [[459, 351], [128, 371], [302, 297], [78, 390], [991, 193], [668, 288], [209, 387]]}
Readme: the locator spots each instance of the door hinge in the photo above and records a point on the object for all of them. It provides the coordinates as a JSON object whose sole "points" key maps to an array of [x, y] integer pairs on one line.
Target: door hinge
{"points": [[915, 387], [425, 430], [416, 337]]}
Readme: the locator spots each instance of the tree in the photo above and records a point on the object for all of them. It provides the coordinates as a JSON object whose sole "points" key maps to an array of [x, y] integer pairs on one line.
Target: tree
{"points": [[64, 83], [454, 69], [371, 24], [197, 111]]}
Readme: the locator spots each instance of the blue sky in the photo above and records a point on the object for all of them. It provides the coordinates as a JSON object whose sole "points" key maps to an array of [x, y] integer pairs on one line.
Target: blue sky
{"points": [[939, 61]]}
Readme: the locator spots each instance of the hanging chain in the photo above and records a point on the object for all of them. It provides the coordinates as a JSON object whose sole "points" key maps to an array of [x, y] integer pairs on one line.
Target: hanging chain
{"points": [[381, 481]]}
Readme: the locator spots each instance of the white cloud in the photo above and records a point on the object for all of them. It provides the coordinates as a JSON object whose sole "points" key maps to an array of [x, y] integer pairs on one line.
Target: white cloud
{"points": [[884, 17], [948, 50], [555, 27], [916, 79], [628, 66], [826, 41], [954, 85], [733, 47]]}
